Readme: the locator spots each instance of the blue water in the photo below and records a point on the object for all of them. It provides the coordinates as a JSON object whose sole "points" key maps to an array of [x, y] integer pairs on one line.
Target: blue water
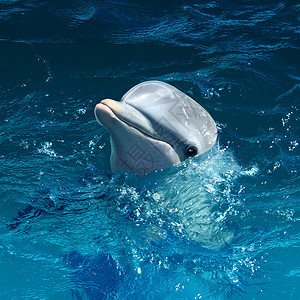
{"points": [[221, 226]]}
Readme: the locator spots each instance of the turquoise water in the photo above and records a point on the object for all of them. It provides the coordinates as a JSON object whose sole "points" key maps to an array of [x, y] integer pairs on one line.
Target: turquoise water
{"points": [[221, 226]]}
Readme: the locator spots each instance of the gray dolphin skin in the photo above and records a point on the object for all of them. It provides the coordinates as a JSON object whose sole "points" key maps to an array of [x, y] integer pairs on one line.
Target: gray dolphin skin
{"points": [[155, 126]]}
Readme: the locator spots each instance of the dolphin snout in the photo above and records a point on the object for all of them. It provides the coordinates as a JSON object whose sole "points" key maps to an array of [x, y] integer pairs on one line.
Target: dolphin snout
{"points": [[104, 112], [112, 104], [107, 112]]}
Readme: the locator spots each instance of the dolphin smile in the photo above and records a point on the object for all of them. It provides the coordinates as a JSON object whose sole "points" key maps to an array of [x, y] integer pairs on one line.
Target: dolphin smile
{"points": [[114, 109], [154, 126]]}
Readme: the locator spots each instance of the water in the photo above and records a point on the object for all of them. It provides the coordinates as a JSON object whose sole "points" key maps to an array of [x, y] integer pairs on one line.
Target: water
{"points": [[221, 226]]}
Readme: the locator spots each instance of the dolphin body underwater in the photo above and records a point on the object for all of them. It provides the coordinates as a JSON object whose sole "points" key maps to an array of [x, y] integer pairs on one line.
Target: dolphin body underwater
{"points": [[155, 126]]}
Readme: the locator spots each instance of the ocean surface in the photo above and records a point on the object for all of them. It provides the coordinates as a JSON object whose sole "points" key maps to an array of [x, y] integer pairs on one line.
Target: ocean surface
{"points": [[224, 225]]}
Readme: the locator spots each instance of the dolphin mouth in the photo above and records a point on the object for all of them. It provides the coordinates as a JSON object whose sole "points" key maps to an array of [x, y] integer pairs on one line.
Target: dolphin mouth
{"points": [[115, 113]]}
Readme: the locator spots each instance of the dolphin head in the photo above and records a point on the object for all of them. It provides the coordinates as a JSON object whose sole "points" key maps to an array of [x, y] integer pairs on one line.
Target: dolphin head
{"points": [[154, 126]]}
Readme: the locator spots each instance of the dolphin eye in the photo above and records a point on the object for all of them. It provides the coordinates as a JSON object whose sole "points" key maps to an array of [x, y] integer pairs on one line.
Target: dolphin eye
{"points": [[191, 151]]}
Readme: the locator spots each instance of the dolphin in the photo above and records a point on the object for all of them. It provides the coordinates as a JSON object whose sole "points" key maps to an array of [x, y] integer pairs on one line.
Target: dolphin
{"points": [[155, 126]]}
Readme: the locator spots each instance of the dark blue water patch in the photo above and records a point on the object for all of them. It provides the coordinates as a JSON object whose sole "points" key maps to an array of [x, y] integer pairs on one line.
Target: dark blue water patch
{"points": [[56, 201], [192, 24], [58, 19], [95, 277], [24, 217]]}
